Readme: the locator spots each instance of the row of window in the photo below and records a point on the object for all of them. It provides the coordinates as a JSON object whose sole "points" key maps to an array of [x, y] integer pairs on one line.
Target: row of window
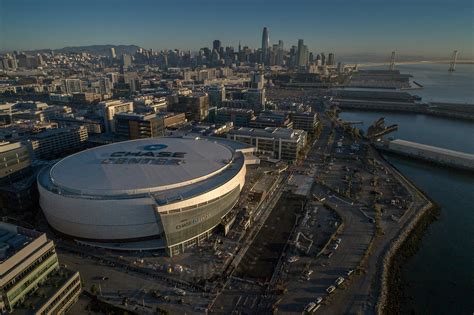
{"points": [[69, 291], [28, 269], [14, 156], [203, 203], [39, 274], [202, 219]]}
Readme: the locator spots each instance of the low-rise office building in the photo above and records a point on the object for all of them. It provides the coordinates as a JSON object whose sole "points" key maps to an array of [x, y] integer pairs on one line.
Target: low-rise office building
{"points": [[17, 192], [271, 119], [216, 95], [138, 126], [195, 105], [277, 143], [19, 197], [29, 264], [110, 108], [256, 98], [172, 119], [146, 104], [306, 121], [245, 98], [14, 161], [93, 126], [238, 116], [53, 143], [86, 98]]}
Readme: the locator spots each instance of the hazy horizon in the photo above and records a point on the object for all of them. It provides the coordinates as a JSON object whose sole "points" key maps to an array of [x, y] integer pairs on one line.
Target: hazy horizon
{"points": [[429, 29]]}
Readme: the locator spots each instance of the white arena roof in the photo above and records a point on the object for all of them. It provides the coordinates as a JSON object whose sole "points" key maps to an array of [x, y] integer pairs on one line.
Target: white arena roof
{"points": [[141, 166]]}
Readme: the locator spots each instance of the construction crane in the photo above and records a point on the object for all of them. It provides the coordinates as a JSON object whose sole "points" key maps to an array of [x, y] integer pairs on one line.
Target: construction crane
{"points": [[392, 62], [452, 67]]}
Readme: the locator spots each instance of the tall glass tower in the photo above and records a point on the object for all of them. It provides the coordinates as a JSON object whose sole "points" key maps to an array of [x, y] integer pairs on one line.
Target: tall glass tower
{"points": [[265, 45]]}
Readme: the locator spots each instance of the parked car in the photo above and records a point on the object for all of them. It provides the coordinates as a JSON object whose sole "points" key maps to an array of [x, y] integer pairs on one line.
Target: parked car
{"points": [[293, 259], [330, 289], [339, 281], [307, 274], [179, 291], [309, 308]]}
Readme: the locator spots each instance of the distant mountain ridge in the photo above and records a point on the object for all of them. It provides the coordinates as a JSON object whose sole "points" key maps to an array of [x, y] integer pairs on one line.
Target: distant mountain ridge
{"points": [[93, 49]]}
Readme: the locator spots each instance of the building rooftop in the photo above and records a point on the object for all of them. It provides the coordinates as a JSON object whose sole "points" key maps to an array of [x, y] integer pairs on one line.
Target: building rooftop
{"points": [[12, 241], [136, 116], [309, 114], [270, 132], [115, 103], [51, 132], [140, 166], [234, 110], [6, 146]]}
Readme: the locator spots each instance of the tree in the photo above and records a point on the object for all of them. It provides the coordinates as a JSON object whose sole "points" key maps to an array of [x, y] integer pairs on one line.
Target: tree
{"points": [[94, 289]]}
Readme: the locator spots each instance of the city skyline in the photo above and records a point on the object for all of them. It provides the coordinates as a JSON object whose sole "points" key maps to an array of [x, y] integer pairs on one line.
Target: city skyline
{"points": [[230, 157], [431, 29]]}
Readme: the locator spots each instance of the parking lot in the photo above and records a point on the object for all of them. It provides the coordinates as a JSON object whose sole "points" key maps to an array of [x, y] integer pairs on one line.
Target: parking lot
{"points": [[355, 237], [114, 286]]}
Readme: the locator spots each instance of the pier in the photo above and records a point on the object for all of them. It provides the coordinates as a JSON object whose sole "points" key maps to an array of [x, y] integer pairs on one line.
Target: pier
{"points": [[445, 157], [447, 110], [399, 101]]}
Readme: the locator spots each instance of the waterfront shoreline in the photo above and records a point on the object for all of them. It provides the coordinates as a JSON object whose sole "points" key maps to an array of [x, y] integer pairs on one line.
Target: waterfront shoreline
{"points": [[409, 247], [407, 244], [409, 269]]}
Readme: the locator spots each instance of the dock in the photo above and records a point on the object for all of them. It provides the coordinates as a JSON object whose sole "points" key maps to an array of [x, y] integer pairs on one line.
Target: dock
{"points": [[437, 155], [399, 101], [446, 110]]}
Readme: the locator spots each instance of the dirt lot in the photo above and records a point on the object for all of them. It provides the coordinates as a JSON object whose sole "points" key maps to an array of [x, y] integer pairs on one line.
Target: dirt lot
{"points": [[262, 256]]}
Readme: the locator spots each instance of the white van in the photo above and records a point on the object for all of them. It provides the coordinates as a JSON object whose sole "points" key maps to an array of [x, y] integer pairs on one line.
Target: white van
{"points": [[330, 289], [309, 308], [339, 281]]}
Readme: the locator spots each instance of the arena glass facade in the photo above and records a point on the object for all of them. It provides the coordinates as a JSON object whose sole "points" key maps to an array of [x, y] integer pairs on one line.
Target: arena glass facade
{"points": [[188, 227]]}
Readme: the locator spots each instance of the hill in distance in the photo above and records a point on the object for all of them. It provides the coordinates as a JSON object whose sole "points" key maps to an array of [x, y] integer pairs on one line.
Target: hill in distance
{"points": [[94, 49]]}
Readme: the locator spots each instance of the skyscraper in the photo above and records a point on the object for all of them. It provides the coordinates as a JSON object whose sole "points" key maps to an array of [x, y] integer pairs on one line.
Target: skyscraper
{"points": [[331, 59], [113, 55], [265, 45], [216, 45], [302, 57], [279, 58], [126, 61]]}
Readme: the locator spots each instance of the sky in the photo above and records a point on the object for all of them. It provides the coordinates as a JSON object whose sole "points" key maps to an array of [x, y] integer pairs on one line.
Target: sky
{"points": [[431, 28]]}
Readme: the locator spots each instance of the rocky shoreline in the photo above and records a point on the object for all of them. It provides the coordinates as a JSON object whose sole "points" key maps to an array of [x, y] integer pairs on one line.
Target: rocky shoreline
{"points": [[400, 250], [408, 249]]}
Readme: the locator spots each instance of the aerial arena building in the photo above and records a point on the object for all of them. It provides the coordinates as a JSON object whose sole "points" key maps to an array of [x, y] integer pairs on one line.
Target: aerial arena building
{"points": [[145, 194]]}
